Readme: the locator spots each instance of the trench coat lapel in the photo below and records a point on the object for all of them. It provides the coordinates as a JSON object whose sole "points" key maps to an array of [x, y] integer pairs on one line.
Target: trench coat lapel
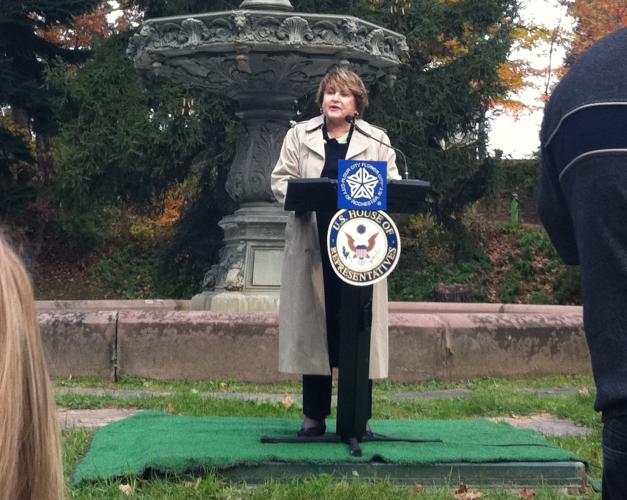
{"points": [[313, 136], [359, 142]]}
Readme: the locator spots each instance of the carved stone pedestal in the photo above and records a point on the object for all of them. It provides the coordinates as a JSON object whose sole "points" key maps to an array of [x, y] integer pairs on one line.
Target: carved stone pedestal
{"points": [[248, 276]]}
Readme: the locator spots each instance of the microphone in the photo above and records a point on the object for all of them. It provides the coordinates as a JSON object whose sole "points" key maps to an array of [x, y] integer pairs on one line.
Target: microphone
{"points": [[351, 120]]}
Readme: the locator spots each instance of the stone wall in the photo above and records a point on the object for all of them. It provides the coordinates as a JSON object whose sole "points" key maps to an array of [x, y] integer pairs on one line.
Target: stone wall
{"points": [[427, 341]]}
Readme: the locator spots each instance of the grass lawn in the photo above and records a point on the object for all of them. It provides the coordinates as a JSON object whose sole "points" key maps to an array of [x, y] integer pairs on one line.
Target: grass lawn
{"points": [[487, 398]]}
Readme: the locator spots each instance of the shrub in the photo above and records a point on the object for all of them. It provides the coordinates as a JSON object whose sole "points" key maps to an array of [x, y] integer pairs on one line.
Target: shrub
{"points": [[567, 286]]}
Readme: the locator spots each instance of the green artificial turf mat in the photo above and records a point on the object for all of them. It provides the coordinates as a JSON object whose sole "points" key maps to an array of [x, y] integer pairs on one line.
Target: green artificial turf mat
{"points": [[154, 440]]}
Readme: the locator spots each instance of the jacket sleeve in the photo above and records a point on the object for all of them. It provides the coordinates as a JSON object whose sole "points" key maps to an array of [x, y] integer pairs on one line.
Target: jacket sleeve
{"points": [[389, 155], [287, 167], [554, 212]]}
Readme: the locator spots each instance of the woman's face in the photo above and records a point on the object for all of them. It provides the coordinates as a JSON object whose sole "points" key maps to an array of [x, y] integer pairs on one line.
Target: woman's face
{"points": [[337, 104]]}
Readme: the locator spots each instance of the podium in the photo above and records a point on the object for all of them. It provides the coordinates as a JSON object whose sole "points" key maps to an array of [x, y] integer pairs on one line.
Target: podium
{"points": [[404, 196], [308, 195]]}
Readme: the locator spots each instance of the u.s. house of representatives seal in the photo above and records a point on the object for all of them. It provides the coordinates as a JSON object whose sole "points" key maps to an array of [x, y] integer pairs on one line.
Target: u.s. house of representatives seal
{"points": [[364, 246]]}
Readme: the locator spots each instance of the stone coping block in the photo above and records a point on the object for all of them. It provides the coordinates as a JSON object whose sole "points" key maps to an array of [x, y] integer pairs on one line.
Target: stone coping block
{"points": [[541, 309], [79, 344], [458, 346], [442, 307], [199, 345], [505, 345], [394, 307], [478, 307], [417, 350], [112, 305]]}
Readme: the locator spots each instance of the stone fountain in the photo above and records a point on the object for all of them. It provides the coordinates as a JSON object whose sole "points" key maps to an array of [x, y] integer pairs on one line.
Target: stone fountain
{"points": [[265, 57]]}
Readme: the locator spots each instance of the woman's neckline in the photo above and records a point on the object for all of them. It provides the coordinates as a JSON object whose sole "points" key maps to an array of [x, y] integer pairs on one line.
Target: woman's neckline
{"points": [[338, 131], [345, 135]]}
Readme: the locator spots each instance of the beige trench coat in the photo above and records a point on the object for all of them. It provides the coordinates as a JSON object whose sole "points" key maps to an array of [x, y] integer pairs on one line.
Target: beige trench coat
{"points": [[302, 323]]}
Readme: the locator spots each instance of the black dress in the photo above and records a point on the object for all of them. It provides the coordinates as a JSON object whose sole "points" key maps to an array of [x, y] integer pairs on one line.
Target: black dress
{"points": [[317, 388]]}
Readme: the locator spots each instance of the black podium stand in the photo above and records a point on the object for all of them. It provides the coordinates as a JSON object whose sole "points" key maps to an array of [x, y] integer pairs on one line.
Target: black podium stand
{"points": [[404, 196]]}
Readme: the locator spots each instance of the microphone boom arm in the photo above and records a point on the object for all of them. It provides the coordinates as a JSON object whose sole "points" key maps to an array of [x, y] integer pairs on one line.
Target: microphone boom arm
{"points": [[350, 120]]}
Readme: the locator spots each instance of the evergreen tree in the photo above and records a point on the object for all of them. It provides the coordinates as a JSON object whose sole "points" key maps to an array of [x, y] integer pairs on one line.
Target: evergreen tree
{"points": [[124, 139], [24, 54], [17, 162]]}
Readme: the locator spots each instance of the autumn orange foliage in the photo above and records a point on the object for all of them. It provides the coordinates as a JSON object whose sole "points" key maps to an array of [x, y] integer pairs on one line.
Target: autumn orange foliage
{"points": [[594, 20], [84, 29], [89, 27]]}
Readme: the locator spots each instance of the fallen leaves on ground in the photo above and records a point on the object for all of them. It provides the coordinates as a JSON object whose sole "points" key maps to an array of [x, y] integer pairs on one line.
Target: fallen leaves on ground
{"points": [[417, 489], [127, 489], [463, 493], [501, 250], [287, 401], [192, 484], [470, 495]]}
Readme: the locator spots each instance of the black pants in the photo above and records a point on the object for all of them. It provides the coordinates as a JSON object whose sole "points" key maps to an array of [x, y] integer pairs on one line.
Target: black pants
{"points": [[317, 388], [615, 458], [317, 396]]}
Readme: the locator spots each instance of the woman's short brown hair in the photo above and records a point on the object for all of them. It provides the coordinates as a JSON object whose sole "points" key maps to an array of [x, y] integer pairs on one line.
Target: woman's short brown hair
{"points": [[344, 79]]}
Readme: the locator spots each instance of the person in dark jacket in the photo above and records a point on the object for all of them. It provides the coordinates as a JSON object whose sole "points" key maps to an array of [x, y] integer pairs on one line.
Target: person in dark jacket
{"points": [[583, 205]]}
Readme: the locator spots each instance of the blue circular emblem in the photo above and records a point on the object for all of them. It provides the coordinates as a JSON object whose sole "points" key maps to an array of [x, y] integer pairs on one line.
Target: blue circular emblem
{"points": [[364, 246], [362, 185]]}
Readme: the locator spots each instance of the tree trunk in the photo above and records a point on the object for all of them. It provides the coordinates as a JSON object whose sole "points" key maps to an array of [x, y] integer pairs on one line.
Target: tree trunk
{"points": [[21, 118], [44, 158]]}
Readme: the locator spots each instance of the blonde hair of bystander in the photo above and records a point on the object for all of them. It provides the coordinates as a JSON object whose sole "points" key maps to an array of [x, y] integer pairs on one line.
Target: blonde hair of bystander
{"points": [[30, 456]]}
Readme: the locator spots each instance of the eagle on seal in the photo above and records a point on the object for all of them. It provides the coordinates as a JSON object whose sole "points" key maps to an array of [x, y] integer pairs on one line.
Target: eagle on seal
{"points": [[361, 251]]}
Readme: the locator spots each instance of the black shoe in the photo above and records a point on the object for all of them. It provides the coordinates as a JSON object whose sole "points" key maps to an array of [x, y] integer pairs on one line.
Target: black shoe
{"points": [[316, 430]]}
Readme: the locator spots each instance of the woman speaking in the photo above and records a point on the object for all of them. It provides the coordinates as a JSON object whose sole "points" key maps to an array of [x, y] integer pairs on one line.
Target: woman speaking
{"points": [[309, 326]]}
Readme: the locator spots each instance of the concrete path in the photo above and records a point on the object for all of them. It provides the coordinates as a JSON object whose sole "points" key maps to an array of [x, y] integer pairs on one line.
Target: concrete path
{"points": [[249, 396], [560, 391], [113, 393], [430, 395], [91, 419], [296, 398], [545, 424]]}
